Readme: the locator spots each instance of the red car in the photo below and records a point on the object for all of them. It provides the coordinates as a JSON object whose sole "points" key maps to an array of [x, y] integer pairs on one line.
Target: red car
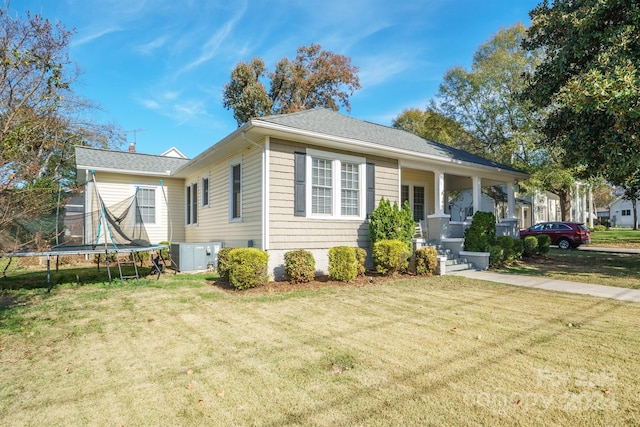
{"points": [[564, 234]]}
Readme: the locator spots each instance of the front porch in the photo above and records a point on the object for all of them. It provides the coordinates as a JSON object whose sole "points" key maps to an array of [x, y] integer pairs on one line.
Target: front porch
{"points": [[429, 193]]}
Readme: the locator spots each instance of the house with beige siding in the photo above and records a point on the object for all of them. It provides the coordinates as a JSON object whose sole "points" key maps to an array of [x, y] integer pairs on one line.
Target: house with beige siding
{"points": [[118, 175], [309, 180]]}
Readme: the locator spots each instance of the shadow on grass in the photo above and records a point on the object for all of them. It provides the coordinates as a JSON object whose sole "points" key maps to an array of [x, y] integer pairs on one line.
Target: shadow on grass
{"points": [[29, 279], [617, 268]]}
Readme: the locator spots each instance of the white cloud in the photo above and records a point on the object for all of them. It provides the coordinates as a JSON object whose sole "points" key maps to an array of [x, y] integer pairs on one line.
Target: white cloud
{"points": [[152, 46], [377, 70], [150, 104], [210, 48], [96, 35]]}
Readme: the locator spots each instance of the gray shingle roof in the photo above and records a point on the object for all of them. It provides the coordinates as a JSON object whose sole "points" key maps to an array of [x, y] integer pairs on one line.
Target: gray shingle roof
{"points": [[333, 123], [97, 158]]}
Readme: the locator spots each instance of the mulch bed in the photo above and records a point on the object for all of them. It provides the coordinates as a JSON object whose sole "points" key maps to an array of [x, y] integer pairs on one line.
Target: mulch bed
{"points": [[320, 282]]}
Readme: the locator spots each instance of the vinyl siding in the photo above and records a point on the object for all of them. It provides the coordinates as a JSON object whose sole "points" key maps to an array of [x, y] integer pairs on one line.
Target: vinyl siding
{"points": [[114, 188], [214, 222], [291, 232]]}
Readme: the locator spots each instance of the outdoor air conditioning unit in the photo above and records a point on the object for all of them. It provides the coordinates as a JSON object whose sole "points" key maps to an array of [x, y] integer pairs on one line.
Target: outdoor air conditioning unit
{"points": [[195, 256]]}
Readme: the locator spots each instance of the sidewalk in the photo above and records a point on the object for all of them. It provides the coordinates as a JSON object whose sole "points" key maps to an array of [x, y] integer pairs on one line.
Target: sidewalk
{"points": [[622, 294], [614, 250]]}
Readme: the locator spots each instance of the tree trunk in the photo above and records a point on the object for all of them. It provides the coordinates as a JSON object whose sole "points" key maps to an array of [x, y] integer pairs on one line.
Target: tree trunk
{"points": [[634, 203], [565, 204]]}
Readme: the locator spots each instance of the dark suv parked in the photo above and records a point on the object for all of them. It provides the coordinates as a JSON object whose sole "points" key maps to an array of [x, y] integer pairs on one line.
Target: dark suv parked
{"points": [[564, 234]]}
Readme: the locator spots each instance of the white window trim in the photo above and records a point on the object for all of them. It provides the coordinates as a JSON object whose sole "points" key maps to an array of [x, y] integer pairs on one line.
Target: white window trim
{"points": [[336, 201], [232, 164], [134, 190]]}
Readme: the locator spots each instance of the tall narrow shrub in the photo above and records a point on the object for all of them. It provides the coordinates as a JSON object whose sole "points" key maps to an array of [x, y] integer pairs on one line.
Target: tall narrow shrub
{"points": [[389, 222]]}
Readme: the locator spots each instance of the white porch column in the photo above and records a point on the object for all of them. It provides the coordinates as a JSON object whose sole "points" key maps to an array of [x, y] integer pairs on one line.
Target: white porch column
{"points": [[591, 209], [511, 200], [477, 194], [438, 186], [584, 206]]}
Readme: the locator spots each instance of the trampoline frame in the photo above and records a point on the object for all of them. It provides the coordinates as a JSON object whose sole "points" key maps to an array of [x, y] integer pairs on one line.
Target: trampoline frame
{"points": [[96, 248]]}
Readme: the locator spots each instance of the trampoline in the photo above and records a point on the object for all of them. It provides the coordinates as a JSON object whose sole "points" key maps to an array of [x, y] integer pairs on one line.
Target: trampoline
{"points": [[113, 230]]}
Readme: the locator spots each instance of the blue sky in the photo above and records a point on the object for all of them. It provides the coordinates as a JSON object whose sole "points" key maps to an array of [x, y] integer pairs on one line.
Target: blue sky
{"points": [[159, 66]]}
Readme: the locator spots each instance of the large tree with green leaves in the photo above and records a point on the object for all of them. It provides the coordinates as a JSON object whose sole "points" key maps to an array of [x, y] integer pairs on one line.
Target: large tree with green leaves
{"points": [[314, 78], [590, 81], [430, 124], [41, 119], [486, 100]]}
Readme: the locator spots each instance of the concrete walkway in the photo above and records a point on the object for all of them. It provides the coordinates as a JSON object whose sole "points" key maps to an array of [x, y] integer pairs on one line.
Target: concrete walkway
{"points": [[622, 294]]}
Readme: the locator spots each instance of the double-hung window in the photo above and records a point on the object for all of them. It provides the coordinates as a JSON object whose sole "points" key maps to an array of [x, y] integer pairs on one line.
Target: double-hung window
{"points": [[146, 205], [322, 186], [336, 185], [191, 204], [235, 190], [205, 192]]}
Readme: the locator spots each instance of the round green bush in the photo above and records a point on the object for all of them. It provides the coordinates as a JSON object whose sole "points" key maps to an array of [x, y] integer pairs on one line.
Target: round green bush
{"points": [[390, 256], [481, 234], [518, 248], [544, 243], [248, 268], [361, 257], [530, 246], [299, 266], [509, 251], [496, 256], [426, 261], [223, 264], [343, 264]]}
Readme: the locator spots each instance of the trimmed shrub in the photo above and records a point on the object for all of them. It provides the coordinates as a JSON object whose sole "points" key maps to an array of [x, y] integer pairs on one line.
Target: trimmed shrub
{"points": [[343, 264], [496, 256], [518, 248], [508, 245], [361, 257], [426, 261], [299, 266], [481, 234], [164, 253], [544, 243], [390, 256], [600, 227], [248, 268], [392, 223], [530, 246], [223, 263]]}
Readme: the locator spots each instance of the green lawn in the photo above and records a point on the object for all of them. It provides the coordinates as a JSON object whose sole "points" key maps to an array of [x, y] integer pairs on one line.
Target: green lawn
{"points": [[432, 351], [616, 237], [600, 268]]}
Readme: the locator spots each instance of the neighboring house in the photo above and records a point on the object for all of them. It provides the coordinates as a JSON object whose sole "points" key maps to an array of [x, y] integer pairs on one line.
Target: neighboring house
{"points": [[602, 215], [119, 174], [309, 180], [621, 213], [545, 206], [460, 207]]}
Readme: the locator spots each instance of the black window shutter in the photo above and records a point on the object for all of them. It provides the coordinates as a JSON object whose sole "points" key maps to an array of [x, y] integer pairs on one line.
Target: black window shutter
{"points": [[371, 188], [299, 201]]}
